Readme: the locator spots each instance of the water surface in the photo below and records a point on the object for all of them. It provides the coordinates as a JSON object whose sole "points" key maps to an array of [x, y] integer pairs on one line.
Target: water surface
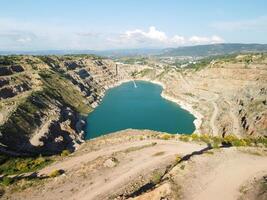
{"points": [[140, 107]]}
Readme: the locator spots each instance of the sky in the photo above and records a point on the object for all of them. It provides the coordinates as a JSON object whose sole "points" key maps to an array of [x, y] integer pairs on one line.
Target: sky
{"points": [[28, 25]]}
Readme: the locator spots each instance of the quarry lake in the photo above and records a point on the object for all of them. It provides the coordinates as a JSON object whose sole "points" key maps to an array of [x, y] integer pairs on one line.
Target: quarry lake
{"points": [[138, 106]]}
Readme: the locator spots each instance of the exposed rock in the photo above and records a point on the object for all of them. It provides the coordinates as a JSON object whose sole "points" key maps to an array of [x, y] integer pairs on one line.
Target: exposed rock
{"points": [[111, 162], [4, 81], [17, 68], [5, 71]]}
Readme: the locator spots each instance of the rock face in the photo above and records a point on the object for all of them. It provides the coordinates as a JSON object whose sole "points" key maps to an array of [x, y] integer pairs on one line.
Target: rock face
{"points": [[44, 100], [230, 94]]}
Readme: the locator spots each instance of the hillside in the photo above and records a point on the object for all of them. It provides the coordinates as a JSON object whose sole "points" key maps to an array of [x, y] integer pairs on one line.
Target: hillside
{"points": [[194, 51], [228, 95], [141, 165], [214, 49], [43, 100]]}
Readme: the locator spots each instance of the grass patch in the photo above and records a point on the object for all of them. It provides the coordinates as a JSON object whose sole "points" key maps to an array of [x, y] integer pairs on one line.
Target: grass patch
{"points": [[185, 138], [232, 140], [55, 173], [6, 181], [131, 149], [23, 165], [178, 158], [65, 153], [166, 136], [156, 177]]}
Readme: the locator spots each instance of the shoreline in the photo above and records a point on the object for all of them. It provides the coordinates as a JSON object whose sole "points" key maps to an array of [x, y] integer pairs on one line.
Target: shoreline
{"points": [[197, 122]]}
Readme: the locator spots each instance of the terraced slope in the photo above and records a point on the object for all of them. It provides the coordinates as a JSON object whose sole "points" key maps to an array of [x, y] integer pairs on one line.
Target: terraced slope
{"points": [[229, 95], [43, 99]]}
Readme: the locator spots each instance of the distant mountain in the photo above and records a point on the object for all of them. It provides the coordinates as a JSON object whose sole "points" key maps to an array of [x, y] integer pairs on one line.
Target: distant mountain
{"points": [[214, 49], [106, 53], [198, 50]]}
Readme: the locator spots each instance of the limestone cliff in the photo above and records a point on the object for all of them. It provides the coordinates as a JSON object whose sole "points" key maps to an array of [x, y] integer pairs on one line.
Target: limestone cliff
{"points": [[44, 100]]}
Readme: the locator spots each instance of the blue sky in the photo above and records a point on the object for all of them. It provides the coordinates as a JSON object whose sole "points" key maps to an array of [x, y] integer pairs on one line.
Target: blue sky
{"points": [[116, 24]]}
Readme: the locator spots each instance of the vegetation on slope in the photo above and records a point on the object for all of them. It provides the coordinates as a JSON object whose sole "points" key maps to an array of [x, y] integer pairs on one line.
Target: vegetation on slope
{"points": [[63, 90], [214, 49], [12, 165]]}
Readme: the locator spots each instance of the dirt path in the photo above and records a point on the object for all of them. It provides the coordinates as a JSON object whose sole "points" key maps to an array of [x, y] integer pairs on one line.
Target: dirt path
{"points": [[220, 176], [135, 166], [121, 166], [87, 177]]}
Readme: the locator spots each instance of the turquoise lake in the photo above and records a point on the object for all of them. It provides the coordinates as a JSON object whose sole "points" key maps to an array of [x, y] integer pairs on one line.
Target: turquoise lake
{"points": [[140, 107]]}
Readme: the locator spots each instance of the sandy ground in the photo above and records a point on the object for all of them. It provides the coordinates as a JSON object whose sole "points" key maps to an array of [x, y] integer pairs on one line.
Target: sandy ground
{"points": [[117, 165], [220, 176]]}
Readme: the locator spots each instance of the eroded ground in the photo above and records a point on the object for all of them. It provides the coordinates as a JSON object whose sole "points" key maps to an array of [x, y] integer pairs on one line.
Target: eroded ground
{"points": [[147, 165]]}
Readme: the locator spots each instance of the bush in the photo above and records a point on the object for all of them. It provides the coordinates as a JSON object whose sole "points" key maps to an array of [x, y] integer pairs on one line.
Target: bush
{"points": [[239, 143], [39, 161], [6, 181], [178, 158], [23, 165], [166, 136], [205, 138], [55, 173], [234, 140], [156, 177], [195, 137], [184, 138], [65, 153], [215, 145]]}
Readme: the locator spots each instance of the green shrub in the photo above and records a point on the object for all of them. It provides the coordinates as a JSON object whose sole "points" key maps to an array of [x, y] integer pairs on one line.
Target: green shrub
{"points": [[234, 140], [215, 145], [195, 137], [184, 138], [55, 173], [178, 158], [6, 181], [23, 165], [166, 136], [65, 153], [205, 138], [156, 177]]}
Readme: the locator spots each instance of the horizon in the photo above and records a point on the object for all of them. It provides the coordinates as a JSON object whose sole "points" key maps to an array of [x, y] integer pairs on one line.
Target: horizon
{"points": [[121, 49], [118, 25]]}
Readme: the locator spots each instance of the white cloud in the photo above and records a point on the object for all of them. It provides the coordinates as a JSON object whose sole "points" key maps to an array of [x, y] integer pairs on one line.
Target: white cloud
{"points": [[205, 40], [154, 37], [21, 35], [140, 35], [179, 40]]}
